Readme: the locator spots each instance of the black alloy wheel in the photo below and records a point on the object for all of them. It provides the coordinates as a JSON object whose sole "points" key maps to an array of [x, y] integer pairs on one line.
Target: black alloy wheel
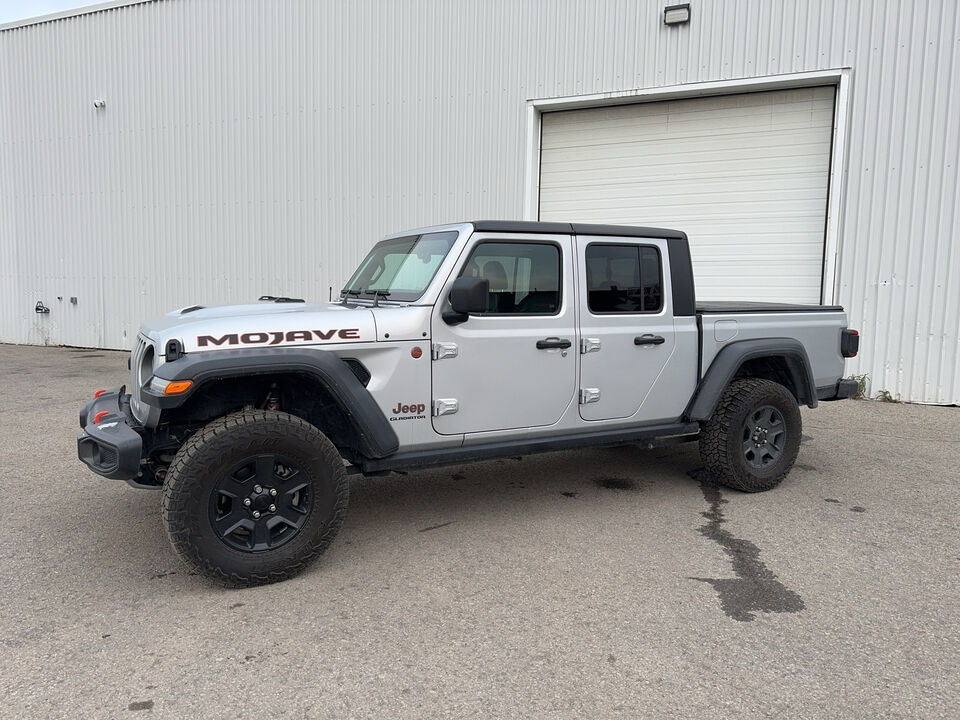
{"points": [[260, 503], [764, 437]]}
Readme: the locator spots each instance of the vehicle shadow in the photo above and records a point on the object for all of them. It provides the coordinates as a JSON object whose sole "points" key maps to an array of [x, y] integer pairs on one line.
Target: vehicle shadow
{"points": [[517, 489], [520, 493]]}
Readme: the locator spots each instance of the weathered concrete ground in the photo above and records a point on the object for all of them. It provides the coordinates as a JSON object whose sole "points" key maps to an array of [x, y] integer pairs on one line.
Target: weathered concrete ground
{"points": [[600, 583]]}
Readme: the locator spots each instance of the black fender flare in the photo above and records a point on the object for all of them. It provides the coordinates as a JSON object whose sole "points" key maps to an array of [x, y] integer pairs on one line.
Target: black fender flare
{"points": [[377, 437], [732, 357]]}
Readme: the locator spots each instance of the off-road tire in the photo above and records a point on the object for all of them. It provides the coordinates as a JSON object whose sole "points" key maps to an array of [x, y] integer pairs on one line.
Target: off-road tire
{"points": [[201, 463], [722, 436]]}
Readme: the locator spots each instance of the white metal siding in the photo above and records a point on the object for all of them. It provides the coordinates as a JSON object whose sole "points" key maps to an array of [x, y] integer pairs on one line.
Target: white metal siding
{"points": [[745, 176], [253, 146]]}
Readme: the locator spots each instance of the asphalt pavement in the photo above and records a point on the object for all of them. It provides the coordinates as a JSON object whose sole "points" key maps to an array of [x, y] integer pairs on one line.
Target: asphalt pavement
{"points": [[610, 583]]}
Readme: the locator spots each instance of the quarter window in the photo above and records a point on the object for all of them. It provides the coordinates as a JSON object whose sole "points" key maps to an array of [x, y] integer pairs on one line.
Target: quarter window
{"points": [[623, 279], [524, 277]]}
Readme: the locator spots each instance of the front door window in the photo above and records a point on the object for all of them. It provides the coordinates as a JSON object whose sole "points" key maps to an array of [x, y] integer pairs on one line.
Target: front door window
{"points": [[524, 277]]}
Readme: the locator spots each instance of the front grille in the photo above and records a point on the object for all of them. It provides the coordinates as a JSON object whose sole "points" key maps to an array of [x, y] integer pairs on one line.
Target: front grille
{"points": [[141, 368], [136, 358]]}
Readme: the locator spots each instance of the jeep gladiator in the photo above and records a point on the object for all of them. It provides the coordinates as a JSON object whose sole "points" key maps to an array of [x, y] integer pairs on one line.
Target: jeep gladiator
{"points": [[450, 344]]}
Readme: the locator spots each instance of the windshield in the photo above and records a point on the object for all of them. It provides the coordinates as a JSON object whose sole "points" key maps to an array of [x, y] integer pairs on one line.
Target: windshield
{"points": [[401, 268]]}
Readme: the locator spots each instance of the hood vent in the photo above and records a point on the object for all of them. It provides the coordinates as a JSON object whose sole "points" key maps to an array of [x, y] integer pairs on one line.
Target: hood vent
{"points": [[271, 298]]}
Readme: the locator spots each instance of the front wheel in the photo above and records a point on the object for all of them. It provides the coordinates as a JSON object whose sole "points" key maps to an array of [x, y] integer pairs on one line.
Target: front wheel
{"points": [[254, 496], [752, 439]]}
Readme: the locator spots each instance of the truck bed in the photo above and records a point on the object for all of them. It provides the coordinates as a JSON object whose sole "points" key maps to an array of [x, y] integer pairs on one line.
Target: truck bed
{"points": [[735, 306], [816, 327]]}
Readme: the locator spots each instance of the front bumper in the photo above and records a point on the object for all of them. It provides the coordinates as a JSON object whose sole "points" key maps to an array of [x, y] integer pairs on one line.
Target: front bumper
{"points": [[844, 389], [112, 447]]}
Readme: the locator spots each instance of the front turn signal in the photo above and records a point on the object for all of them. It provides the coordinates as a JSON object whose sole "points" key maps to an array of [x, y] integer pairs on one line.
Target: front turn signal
{"points": [[177, 387]]}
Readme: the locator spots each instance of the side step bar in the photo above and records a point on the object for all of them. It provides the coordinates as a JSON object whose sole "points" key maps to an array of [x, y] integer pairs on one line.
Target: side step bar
{"points": [[649, 437]]}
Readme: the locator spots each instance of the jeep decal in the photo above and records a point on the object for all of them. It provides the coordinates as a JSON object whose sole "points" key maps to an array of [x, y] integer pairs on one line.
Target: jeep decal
{"points": [[275, 338], [413, 411]]}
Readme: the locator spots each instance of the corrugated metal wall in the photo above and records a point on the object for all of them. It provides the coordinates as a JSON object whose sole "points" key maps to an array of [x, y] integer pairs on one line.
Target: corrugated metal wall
{"points": [[260, 146]]}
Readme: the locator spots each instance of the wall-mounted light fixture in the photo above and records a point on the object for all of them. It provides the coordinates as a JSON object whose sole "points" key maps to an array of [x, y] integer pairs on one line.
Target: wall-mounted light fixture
{"points": [[100, 104], [676, 14]]}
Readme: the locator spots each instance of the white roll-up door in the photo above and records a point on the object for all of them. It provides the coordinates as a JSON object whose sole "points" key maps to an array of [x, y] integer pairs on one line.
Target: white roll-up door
{"points": [[745, 176]]}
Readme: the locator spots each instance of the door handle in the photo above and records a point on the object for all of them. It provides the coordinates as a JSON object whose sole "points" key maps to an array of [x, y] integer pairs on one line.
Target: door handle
{"points": [[553, 342], [649, 339]]}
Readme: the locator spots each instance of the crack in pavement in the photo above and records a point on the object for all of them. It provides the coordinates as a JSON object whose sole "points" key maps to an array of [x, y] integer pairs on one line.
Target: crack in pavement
{"points": [[756, 588]]}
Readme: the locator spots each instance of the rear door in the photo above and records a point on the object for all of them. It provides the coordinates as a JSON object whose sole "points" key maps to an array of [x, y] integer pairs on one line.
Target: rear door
{"points": [[626, 324], [515, 365]]}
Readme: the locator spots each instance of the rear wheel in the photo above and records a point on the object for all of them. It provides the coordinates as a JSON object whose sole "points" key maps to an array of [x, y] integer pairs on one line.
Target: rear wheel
{"points": [[254, 496], [752, 440]]}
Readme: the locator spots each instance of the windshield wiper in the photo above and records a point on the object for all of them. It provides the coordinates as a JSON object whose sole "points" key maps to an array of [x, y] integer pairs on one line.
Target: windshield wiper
{"points": [[345, 295]]}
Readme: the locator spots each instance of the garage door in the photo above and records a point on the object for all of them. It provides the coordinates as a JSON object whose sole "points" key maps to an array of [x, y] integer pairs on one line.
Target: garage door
{"points": [[745, 176]]}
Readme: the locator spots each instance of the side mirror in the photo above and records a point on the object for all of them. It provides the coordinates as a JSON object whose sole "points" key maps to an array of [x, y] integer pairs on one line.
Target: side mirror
{"points": [[468, 295]]}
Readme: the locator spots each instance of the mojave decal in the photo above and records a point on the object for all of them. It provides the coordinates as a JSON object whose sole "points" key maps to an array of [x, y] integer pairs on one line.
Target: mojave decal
{"points": [[275, 338]]}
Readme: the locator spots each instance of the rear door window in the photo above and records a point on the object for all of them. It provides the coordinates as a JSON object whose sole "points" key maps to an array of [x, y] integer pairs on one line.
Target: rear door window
{"points": [[623, 279]]}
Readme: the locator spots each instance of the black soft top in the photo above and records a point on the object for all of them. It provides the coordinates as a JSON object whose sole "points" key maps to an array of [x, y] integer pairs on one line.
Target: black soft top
{"points": [[574, 228]]}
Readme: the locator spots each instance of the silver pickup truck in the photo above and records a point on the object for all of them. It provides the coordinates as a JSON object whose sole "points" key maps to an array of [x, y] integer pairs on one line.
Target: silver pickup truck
{"points": [[450, 344]]}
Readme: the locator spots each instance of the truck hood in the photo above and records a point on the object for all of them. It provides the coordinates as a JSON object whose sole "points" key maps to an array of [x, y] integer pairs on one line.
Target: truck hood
{"points": [[262, 323]]}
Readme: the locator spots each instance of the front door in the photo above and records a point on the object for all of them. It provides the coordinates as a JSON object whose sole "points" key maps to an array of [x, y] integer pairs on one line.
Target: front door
{"points": [[626, 324], [515, 365]]}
